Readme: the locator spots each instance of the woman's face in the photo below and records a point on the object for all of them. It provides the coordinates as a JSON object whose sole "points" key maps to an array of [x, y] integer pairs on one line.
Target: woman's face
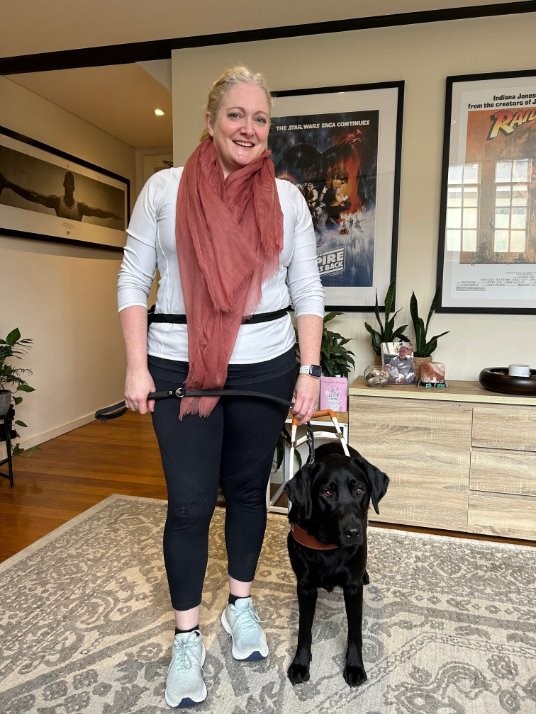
{"points": [[240, 129]]}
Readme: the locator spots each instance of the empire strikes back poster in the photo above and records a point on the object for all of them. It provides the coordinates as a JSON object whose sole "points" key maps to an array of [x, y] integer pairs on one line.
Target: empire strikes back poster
{"points": [[332, 159]]}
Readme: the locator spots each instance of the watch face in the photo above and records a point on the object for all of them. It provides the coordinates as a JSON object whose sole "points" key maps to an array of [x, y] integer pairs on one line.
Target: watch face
{"points": [[315, 370]]}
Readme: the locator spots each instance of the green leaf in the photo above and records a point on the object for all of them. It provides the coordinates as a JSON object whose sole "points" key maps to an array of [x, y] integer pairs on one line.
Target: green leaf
{"points": [[389, 297], [377, 312], [436, 337], [422, 346], [432, 307], [371, 330], [426, 350], [413, 308], [13, 337], [330, 316], [399, 330]]}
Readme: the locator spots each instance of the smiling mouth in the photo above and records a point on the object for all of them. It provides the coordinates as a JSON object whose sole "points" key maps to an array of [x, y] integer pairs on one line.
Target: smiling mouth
{"points": [[244, 144]]}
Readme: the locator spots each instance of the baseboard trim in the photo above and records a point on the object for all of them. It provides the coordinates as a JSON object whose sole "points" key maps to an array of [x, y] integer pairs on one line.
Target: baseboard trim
{"points": [[36, 439]]}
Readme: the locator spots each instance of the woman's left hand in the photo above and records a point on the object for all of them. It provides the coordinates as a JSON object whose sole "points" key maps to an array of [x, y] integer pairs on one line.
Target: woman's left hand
{"points": [[305, 399]]}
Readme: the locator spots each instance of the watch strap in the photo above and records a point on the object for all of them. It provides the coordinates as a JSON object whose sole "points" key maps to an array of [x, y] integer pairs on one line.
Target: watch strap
{"points": [[314, 370]]}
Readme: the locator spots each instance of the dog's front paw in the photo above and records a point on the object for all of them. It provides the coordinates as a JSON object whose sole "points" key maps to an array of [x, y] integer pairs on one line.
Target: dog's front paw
{"points": [[354, 675], [298, 673]]}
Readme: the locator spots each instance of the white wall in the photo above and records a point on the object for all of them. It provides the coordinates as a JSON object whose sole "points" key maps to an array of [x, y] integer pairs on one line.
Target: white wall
{"points": [[423, 56], [62, 296]]}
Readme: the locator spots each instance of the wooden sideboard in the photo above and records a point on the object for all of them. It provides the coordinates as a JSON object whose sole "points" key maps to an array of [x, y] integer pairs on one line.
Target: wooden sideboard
{"points": [[461, 459]]}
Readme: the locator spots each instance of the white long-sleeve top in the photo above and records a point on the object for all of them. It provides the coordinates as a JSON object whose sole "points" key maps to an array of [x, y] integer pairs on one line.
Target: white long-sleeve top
{"points": [[151, 245]]}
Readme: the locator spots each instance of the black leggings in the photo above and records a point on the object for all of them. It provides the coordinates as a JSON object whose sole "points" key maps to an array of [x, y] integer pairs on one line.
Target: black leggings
{"points": [[234, 447]]}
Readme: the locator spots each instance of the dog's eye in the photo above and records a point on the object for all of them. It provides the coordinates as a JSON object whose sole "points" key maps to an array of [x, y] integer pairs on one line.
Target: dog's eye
{"points": [[327, 492], [358, 490]]}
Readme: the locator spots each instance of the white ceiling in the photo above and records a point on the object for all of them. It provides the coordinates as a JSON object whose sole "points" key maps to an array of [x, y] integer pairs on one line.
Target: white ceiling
{"points": [[121, 99]]}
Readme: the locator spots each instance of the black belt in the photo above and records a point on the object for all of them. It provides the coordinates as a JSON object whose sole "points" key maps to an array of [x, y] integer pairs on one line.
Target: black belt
{"points": [[251, 320]]}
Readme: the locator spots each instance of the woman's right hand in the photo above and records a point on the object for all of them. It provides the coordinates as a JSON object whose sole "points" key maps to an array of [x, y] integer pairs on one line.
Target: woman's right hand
{"points": [[138, 384]]}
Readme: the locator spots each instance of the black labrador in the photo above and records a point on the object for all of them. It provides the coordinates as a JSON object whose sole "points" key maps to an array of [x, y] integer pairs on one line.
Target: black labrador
{"points": [[327, 545]]}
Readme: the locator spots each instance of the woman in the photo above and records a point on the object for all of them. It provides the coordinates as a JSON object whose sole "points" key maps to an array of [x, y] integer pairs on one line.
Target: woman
{"points": [[229, 241]]}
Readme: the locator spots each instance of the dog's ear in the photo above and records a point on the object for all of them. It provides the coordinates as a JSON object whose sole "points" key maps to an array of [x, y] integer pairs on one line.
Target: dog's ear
{"points": [[378, 480], [298, 489]]}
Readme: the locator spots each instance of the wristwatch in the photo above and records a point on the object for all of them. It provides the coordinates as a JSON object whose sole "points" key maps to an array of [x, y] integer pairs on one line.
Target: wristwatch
{"points": [[315, 370]]}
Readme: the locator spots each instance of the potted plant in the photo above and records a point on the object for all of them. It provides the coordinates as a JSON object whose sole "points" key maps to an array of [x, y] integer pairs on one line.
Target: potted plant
{"points": [[335, 358], [336, 361], [12, 378], [423, 347], [386, 332]]}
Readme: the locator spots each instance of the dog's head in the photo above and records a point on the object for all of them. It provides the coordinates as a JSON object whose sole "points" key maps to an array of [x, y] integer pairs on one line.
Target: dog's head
{"points": [[330, 498]]}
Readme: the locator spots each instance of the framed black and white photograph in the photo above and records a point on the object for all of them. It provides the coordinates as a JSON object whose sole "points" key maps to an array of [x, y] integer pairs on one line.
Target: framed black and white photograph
{"points": [[341, 146], [48, 194], [487, 235]]}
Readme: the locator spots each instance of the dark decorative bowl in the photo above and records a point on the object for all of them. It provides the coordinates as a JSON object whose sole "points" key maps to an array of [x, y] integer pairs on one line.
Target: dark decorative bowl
{"points": [[497, 379]]}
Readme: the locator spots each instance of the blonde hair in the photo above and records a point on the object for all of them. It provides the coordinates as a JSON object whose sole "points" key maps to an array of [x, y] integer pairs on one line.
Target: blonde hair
{"points": [[229, 78]]}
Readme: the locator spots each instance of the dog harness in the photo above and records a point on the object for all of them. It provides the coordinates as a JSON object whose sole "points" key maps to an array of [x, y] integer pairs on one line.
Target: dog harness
{"points": [[302, 537]]}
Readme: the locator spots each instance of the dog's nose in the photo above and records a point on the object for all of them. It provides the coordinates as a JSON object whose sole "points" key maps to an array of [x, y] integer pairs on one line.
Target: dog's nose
{"points": [[351, 535]]}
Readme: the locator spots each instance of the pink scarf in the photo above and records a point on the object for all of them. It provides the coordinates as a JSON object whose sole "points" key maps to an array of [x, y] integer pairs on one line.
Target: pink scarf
{"points": [[229, 236]]}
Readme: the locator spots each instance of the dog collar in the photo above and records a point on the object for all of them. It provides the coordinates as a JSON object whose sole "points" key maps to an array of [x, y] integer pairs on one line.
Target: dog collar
{"points": [[302, 537]]}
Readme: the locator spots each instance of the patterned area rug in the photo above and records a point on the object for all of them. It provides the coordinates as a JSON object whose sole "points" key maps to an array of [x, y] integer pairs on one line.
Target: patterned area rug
{"points": [[85, 625]]}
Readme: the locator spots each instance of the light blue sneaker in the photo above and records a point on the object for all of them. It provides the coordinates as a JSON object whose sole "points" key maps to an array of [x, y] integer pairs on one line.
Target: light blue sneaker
{"points": [[243, 624], [184, 681]]}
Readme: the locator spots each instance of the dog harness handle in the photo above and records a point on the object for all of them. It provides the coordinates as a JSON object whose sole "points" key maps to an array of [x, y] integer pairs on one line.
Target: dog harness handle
{"points": [[310, 435]]}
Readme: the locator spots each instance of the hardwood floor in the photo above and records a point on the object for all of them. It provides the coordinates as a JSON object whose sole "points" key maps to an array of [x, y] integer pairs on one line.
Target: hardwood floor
{"points": [[75, 471]]}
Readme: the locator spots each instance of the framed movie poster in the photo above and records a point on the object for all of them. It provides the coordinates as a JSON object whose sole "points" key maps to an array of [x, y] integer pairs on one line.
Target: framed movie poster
{"points": [[341, 146], [487, 239], [48, 194]]}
